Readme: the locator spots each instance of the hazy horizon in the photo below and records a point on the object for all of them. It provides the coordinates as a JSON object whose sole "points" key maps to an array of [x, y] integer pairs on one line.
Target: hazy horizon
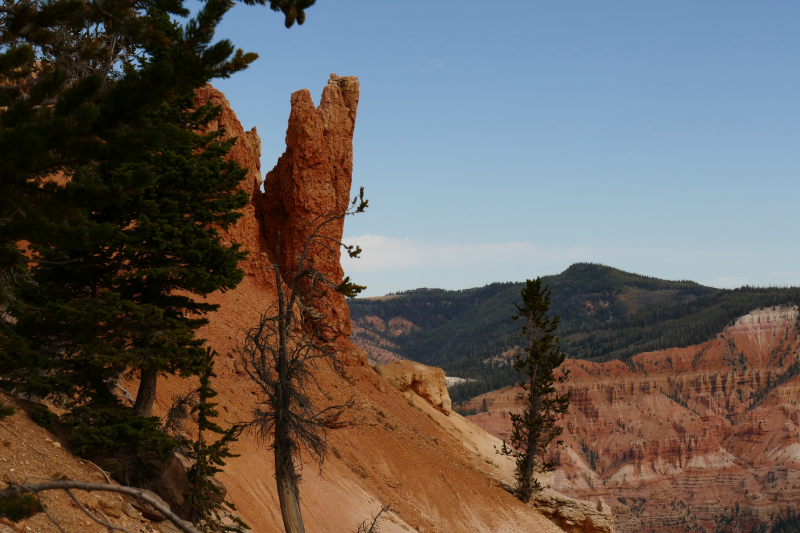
{"points": [[431, 287]]}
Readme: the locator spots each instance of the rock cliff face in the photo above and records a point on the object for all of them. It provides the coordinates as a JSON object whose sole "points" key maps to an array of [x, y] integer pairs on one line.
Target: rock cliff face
{"points": [[574, 516], [427, 381], [686, 438], [313, 178]]}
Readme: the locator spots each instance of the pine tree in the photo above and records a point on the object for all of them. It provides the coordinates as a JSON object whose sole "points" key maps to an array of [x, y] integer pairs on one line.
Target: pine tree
{"points": [[535, 429], [124, 306], [206, 499], [110, 207], [51, 123]]}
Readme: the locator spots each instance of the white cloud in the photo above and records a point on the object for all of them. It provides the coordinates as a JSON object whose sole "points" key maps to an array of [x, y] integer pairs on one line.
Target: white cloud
{"points": [[729, 282], [384, 254]]}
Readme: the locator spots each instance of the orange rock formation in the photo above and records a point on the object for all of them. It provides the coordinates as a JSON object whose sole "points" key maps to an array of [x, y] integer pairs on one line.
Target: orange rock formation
{"points": [[682, 439], [427, 381], [313, 178]]}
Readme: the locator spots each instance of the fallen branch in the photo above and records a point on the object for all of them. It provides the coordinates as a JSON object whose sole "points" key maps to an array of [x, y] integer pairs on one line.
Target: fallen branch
{"points": [[67, 485], [105, 523], [105, 474]]}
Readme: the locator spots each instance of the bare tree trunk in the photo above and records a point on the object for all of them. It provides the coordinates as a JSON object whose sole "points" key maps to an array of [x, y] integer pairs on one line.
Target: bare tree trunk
{"points": [[527, 475], [288, 494], [147, 392], [285, 476]]}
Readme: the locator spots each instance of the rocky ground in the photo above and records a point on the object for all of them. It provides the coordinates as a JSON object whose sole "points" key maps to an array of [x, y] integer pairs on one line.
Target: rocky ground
{"points": [[29, 452]]}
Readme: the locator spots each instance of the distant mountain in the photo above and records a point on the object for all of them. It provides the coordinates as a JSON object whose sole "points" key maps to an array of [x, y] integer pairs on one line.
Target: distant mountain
{"points": [[605, 314]]}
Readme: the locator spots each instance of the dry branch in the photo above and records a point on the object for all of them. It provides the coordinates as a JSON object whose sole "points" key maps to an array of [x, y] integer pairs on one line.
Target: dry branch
{"points": [[67, 485]]}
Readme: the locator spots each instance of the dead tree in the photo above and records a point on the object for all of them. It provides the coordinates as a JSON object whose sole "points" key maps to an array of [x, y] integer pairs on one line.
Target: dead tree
{"points": [[374, 527], [282, 353]]}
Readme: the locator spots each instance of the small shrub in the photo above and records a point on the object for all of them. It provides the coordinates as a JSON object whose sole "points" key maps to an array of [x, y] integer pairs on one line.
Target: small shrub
{"points": [[45, 418], [19, 507], [6, 410], [133, 448]]}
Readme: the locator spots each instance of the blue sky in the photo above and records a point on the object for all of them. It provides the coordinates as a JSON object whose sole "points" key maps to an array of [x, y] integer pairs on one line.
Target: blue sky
{"points": [[501, 141]]}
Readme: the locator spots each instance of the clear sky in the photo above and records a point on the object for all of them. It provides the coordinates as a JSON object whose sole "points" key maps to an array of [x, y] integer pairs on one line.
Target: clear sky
{"points": [[498, 141]]}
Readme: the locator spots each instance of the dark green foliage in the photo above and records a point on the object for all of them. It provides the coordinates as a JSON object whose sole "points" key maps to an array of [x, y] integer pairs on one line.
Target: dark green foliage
{"points": [[133, 448], [132, 235], [535, 428], [81, 347], [124, 305], [20, 506], [205, 498], [485, 374], [119, 200], [45, 418], [790, 524], [6, 410], [733, 521], [349, 289], [605, 314], [53, 122], [293, 10], [763, 392], [590, 454]]}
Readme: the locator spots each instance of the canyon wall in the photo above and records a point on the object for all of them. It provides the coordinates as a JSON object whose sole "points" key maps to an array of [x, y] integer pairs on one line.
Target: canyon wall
{"points": [[685, 439]]}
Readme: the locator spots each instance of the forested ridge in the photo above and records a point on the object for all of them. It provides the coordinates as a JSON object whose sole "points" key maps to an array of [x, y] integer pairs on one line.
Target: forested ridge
{"points": [[605, 314]]}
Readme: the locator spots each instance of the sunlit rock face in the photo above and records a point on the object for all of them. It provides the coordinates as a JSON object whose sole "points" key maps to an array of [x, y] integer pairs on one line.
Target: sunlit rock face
{"points": [[682, 439], [427, 381], [311, 181]]}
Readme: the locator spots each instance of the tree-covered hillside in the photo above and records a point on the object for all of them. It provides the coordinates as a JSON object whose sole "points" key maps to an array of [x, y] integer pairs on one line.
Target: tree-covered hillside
{"points": [[605, 314]]}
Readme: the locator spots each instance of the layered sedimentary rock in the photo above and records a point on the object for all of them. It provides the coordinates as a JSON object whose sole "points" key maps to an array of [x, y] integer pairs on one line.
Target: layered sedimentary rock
{"points": [[247, 152], [686, 438], [574, 516], [438, 472]]}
